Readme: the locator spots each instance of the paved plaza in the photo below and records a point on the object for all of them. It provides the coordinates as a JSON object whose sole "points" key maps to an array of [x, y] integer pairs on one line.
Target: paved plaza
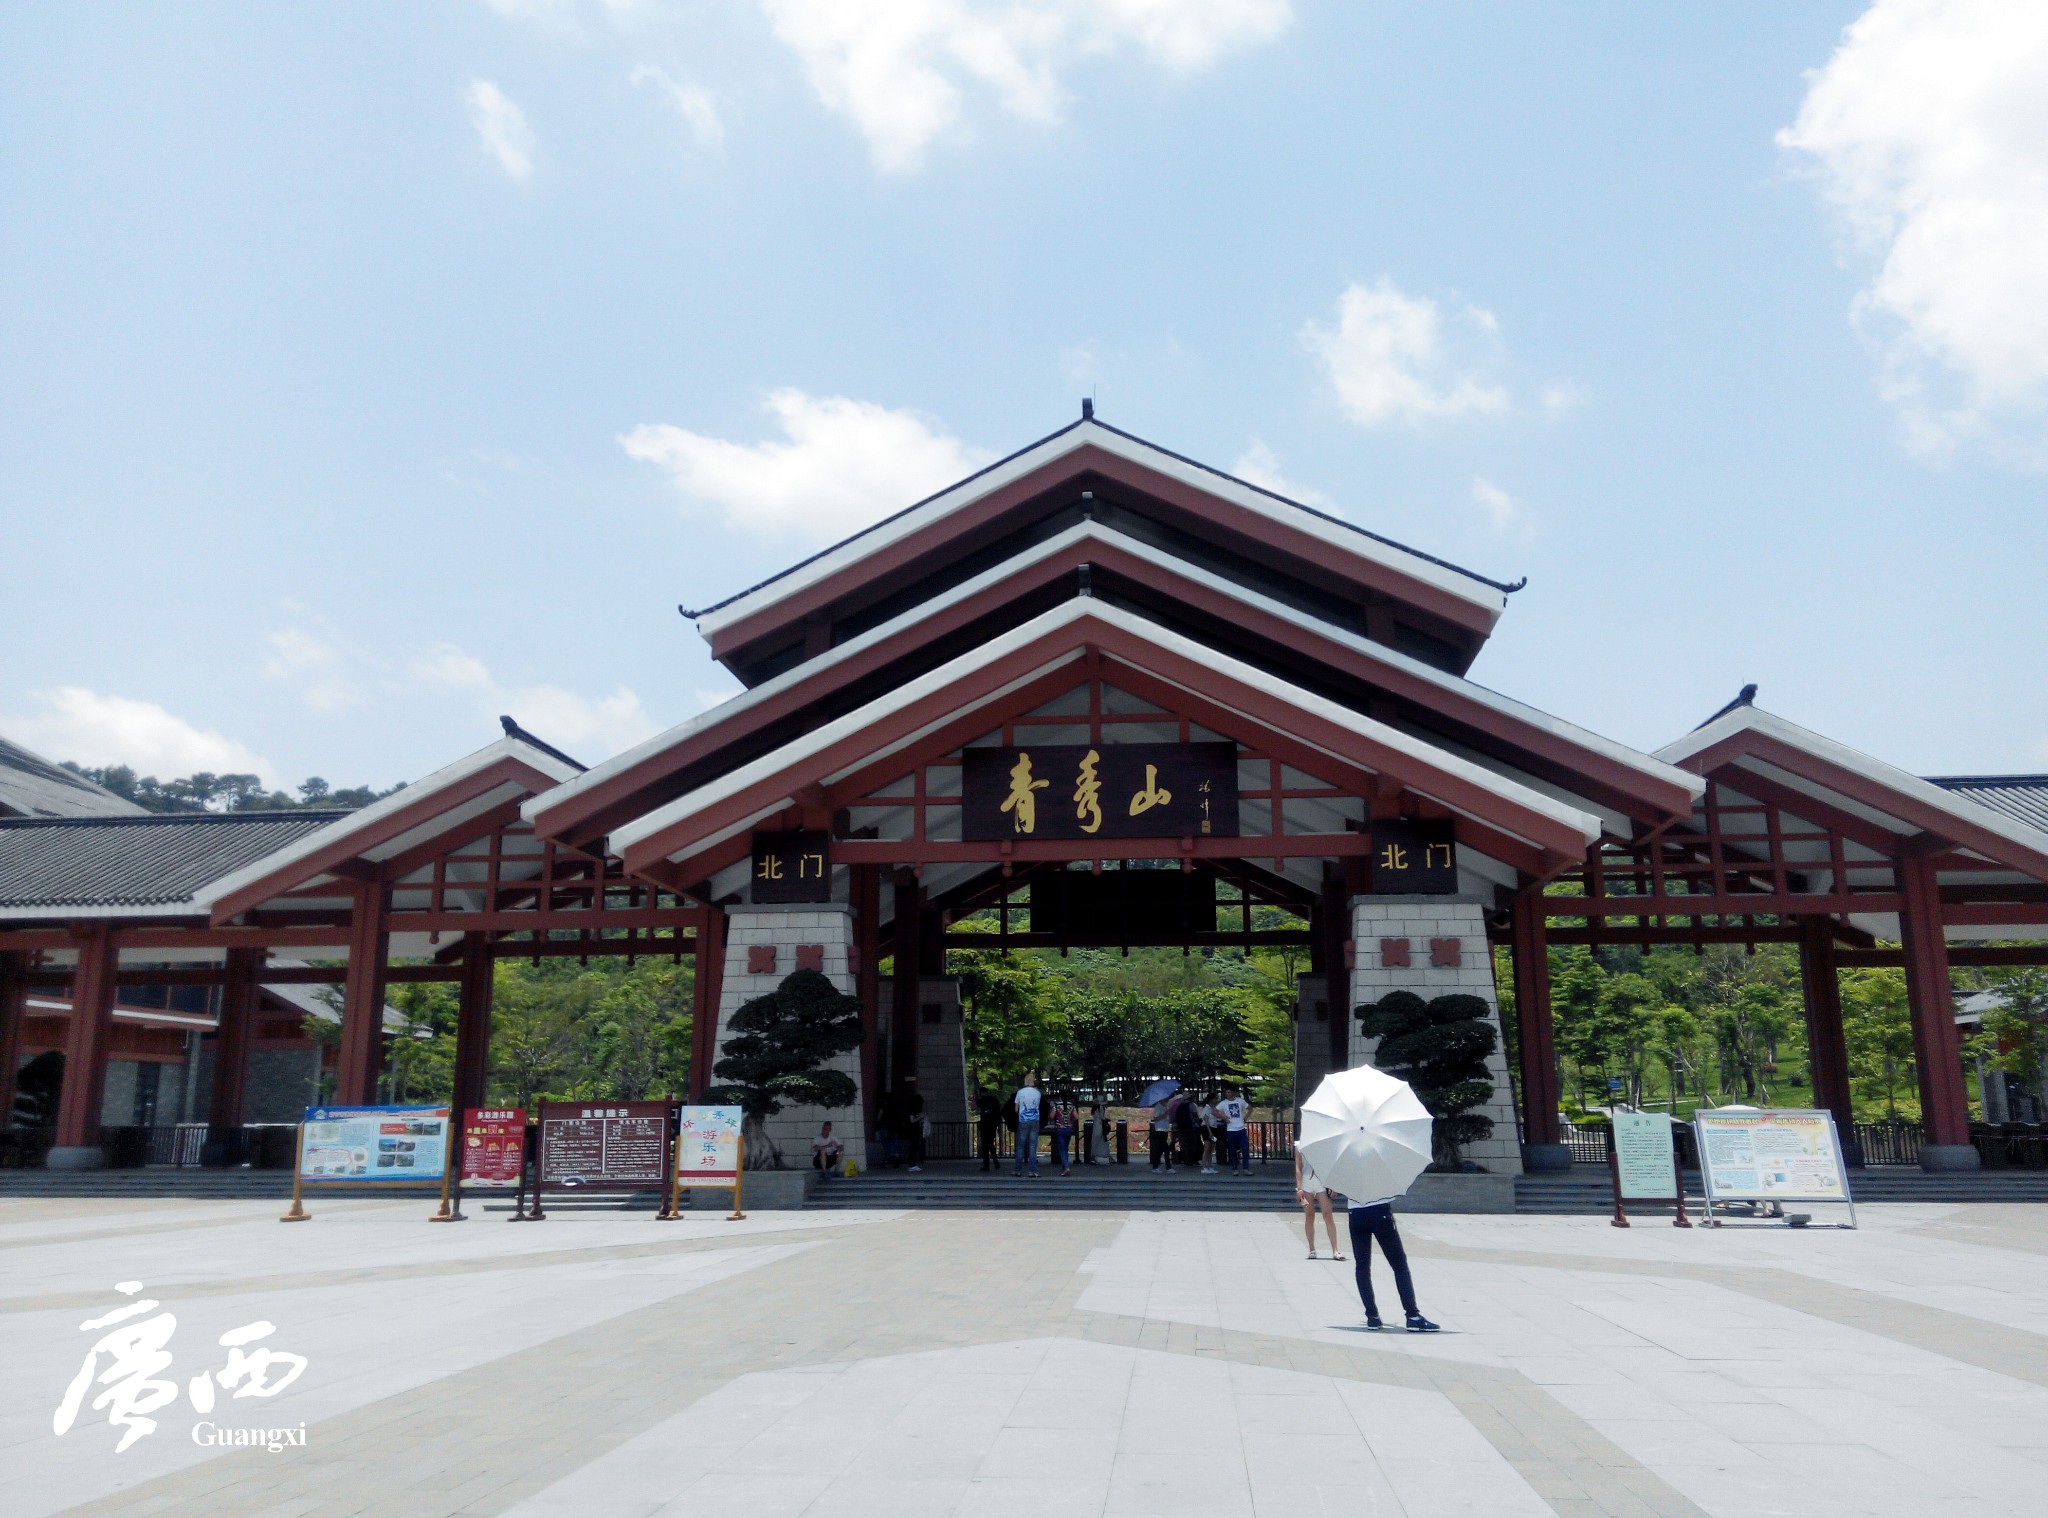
{"points": [[604, 1365]]}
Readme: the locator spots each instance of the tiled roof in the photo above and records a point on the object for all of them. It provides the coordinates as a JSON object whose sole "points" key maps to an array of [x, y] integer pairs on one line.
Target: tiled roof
{"points": [[31, 786], [2024, 798], [147, 861]]}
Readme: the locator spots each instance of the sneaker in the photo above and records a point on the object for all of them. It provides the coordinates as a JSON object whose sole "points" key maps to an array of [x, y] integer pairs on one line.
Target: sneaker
{"points": [[1418, 1324], [1374, 1325], [1208, 1170], [915, 1168]]}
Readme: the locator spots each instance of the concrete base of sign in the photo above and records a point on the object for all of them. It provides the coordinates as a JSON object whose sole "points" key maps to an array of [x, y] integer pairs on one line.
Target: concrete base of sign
{"points": [[75, 1157], [1459, 1193], [765, 1191], [1948, 1157], [1537, 1158]]}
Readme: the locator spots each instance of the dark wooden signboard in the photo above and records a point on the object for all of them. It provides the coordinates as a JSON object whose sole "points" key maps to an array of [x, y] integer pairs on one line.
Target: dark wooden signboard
{"points": [[792, 866], [1119, 906], [1411, 857], [1111, 790], [598, 1144]]}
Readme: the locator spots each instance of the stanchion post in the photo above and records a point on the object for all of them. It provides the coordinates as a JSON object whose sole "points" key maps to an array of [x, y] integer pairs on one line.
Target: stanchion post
{"points": [[531, 1214], [1620, 1218], [1679, 1220], [450, 1184], [674, 1152], [298, 1214], [739, 1173]]}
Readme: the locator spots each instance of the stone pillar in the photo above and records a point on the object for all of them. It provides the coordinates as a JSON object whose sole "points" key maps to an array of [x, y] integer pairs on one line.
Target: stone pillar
{"points": [[706, 990], [1937, 1051], [91, 1029], [1311, 1033], [941, 1069], [761, 948], [1423, 930]]}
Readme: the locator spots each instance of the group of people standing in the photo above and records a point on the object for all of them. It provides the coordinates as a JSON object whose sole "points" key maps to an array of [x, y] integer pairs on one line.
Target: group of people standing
{"points": [[1197, 1132], [1028, 1113]]}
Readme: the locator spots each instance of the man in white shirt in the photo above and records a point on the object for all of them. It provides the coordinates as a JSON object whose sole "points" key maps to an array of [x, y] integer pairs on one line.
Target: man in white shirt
{"points": [[1237, 1139], [1028, 1105]]}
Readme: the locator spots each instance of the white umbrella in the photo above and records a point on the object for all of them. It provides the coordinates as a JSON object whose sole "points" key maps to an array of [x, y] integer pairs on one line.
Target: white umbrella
{"points": [[1365, 1133]]}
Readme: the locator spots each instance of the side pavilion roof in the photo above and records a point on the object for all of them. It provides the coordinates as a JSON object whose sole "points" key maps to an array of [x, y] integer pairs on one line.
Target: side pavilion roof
{"points": [[151, 865]]}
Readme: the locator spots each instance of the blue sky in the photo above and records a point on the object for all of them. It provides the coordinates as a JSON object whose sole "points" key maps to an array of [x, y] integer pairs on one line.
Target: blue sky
{"points": [[368, 371]]}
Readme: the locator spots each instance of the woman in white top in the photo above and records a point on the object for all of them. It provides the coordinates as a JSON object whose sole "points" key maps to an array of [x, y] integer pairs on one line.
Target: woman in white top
{"points": [[1311, 1191]]}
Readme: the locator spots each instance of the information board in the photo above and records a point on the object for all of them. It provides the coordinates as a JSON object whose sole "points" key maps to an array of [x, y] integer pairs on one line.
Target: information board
{"points": [[1643, 1159], [374, 1144], [708, 1146], [493, 1146], [585, 1144], [1770, 1155]]}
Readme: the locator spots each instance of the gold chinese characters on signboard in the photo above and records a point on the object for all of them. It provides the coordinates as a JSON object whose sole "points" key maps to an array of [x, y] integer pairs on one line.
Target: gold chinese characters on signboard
{"points": [[1078, 791]]}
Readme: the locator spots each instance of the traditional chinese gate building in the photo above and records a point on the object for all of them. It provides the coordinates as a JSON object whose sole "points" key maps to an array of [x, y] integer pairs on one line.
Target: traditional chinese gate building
{"points": [[1123, 680]]}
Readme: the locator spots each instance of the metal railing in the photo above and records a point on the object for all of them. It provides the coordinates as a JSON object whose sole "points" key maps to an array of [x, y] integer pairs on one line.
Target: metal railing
{"points": [[1889, 1143], [182, 1146], [1271, 1142]]}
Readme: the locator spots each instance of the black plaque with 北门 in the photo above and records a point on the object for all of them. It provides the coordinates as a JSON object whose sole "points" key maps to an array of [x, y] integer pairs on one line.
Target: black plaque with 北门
{"points": [[792, 866], [1413, 857], [1089, 791]]}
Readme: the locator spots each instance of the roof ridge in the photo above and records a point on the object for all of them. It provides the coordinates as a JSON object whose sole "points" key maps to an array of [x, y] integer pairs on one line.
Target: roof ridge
{"points": [[288, 814], [1504, 587]]}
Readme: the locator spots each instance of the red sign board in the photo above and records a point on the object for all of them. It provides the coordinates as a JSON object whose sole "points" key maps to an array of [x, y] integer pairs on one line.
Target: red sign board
{"points": [[493, 1146], [604, 1143]]}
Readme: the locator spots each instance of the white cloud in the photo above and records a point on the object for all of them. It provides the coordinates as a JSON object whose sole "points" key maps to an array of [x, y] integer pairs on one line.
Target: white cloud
{"points": [[89, 728], [315, 665], [1502, 509], [1928, 131], [1260, 466], [692, 103], [589, 727], [899, 68], [1395, 358], [843, 465], [501, 127]]}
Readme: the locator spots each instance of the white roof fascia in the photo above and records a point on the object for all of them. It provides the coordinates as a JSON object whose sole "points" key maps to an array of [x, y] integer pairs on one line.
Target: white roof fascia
{"points": [[1751, 718], [98, 909], [1620, 753], [854, 721], [505, 748], [1353, 544], [1078, 609]]}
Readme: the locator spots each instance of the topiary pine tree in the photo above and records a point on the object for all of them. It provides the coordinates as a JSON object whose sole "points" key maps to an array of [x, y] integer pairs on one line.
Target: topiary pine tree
{"points": [[777, 1053], [1439, 1047]]}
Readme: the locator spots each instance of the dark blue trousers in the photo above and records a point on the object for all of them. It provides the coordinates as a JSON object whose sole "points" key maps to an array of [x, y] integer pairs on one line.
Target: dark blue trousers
{"points": [[1368, 1224]]}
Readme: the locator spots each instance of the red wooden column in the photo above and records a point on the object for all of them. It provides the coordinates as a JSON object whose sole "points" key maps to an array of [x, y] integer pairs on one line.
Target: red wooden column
{"points": [[362, 1000], [13, 1008], [85, 1051], [707, 989], [473, 1020], [1944, 1106], [1827, 1047], [231, 1040], [1333, 924], [865, 891], [908, 963], [1542, 1145]]}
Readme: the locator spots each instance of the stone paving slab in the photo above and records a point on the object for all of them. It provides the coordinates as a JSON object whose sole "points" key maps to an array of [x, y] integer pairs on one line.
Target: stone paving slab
{"points": [[1108, 1363]]}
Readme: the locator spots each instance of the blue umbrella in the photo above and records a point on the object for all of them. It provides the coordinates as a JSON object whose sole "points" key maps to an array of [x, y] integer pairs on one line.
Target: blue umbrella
{"points": [[1158, 1092]]}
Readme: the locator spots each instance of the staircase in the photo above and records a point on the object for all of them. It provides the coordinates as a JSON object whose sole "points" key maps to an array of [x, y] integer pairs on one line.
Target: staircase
{"points": [[1586, 1189], [1106, 1188]]}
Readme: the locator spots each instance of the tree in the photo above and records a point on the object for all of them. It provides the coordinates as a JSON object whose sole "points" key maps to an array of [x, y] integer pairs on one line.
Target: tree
{"points": [[1010, 1012], [1095, 1038], [1439, 1047], [776, 1056], [208, 792], [1877, 1025], [2019, 1025]]}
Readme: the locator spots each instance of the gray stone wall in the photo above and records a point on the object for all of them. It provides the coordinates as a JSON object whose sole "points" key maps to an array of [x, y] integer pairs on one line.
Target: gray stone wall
{"points": [[1418, 919], [828, 925], [941, 1048]]}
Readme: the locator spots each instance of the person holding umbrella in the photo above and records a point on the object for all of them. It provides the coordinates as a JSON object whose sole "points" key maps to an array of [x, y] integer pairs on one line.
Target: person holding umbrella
{"points": [[1158, 1097], [1367, 1135]]}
